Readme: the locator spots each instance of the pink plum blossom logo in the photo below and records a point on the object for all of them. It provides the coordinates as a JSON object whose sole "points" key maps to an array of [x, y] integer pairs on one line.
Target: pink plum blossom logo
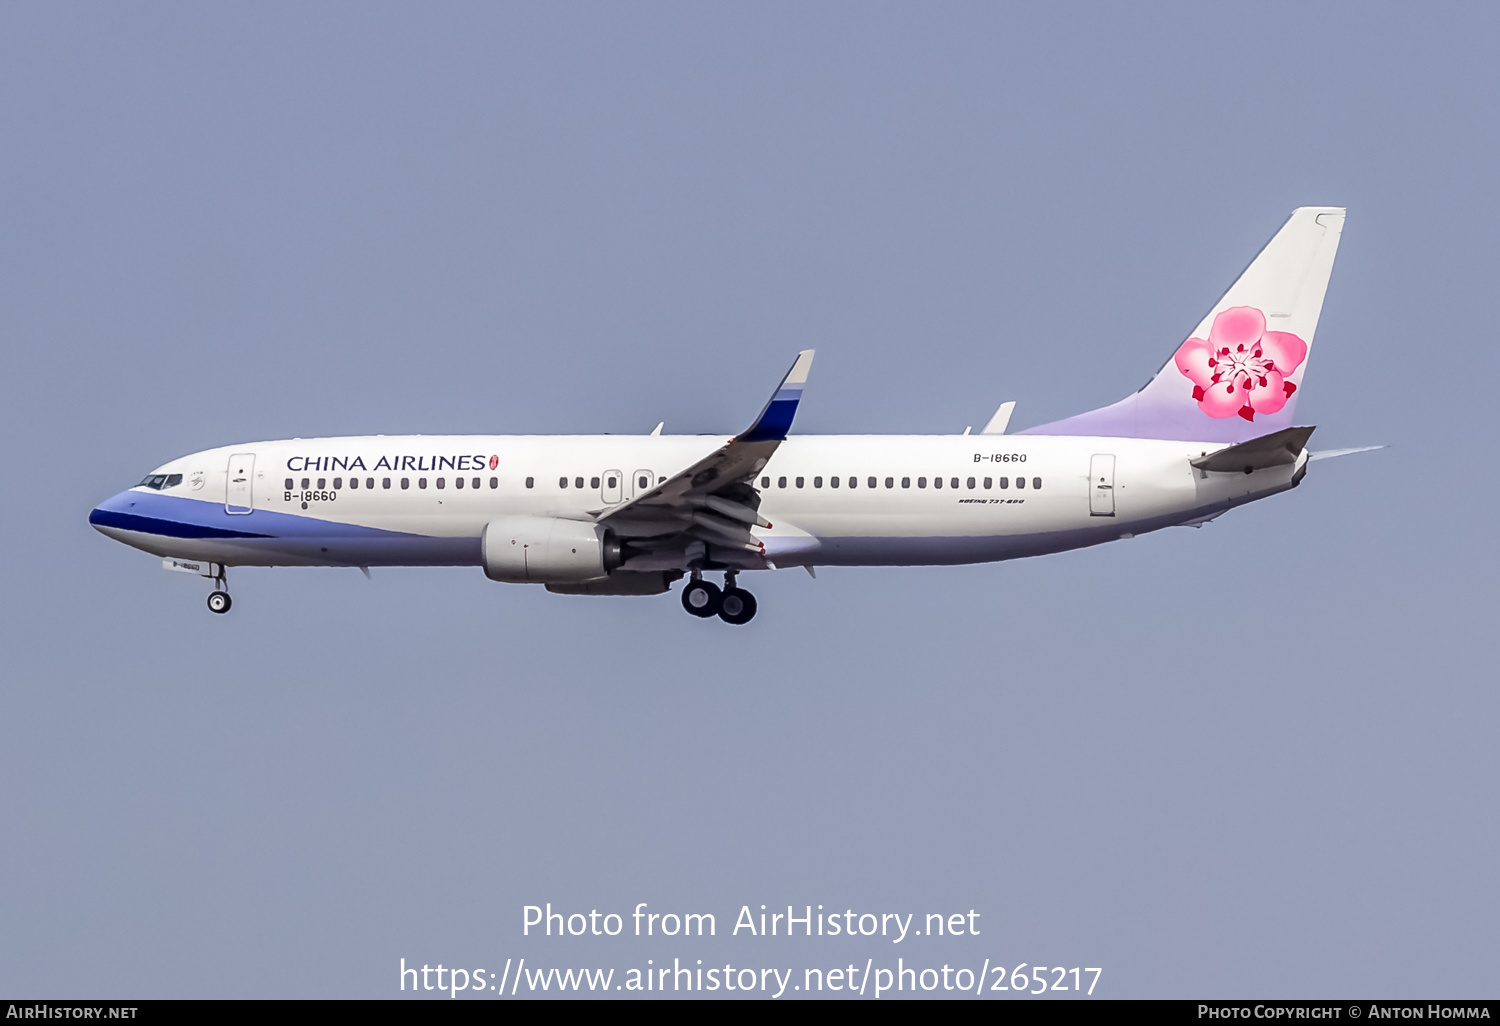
{"points": [[1242, 368]]}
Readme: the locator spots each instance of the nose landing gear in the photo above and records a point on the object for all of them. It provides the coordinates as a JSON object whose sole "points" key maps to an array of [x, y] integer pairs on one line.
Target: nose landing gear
{"points": [[730, 604], [219, 600]]}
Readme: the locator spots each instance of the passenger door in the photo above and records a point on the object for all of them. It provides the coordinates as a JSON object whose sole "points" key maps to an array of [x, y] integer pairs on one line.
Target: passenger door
{"points": [[1102, 485], [239, 485]]}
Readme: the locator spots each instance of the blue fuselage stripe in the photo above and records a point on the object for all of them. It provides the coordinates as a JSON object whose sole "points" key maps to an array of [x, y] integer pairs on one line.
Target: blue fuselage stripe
{"points": [[174, 516], [168, 528]]}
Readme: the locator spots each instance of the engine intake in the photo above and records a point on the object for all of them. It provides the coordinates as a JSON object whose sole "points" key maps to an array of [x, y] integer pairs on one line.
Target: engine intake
{"points": [[547, 550]]}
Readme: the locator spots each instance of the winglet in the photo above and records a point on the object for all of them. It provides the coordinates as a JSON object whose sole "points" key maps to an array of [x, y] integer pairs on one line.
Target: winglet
{"points": [[1001, 420], [776, 419]]}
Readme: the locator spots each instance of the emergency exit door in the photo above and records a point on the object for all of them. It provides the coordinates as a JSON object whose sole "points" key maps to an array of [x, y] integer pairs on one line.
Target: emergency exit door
{"points": [[239, 486], [612, 487], [1102, 485]]}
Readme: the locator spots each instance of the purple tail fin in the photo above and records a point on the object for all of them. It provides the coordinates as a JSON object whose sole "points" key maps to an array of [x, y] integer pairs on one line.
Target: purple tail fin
{"points": [[1239, 374]]}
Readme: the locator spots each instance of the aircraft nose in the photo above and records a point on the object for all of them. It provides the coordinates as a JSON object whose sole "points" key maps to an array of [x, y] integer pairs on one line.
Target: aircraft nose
{"points": [[108, 513]]}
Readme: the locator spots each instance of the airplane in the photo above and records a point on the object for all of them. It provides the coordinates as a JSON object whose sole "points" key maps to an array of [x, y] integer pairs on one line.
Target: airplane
{"points": [[632, 515]]}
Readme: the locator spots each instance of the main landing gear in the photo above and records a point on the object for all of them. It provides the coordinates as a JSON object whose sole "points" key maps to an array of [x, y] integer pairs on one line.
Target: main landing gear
{"points": [[219, 600], [730, 604]]}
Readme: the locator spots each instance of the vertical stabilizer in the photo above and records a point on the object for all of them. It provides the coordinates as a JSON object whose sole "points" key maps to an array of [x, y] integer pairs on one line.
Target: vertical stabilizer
{"points": [[1239, 374]]}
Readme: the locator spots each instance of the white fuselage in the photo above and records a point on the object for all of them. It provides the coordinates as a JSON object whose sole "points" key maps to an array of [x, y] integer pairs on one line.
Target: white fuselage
{"points": [[397, 500]]}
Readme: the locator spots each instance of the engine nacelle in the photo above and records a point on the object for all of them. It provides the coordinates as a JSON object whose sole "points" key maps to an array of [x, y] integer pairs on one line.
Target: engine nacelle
{"points": [[543, 550]]}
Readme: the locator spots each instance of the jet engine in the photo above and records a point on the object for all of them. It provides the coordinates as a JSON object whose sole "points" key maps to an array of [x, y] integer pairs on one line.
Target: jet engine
{"points": [[547, 550]]}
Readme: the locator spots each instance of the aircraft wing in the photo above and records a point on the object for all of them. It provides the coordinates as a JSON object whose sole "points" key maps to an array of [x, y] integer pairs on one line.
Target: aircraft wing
{"points": [[712, 501]]}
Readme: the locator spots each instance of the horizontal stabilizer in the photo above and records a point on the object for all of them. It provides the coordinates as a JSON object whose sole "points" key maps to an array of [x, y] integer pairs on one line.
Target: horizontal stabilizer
{"points": [[1328, 454], [1279, 449]]}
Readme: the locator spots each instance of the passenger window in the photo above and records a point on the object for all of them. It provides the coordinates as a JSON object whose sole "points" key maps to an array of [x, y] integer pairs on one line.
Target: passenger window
{"points": [[578, 482], [458, 482], [562, 482], [854, 482], [871, 482], [643, 482], [833, 482], [765, 482], [971, 484], [921, 482], [440, 482], [405, 483], [1036, 482], [954, 482], [593, 483], [781, 482], [290, 484], [494, 482], [354, 482], [799, 482], [338, 483], [989, 483], [531, 481], [369, 482], [385, 482], [890, 482], [1004, 483], [1020, 482], [937, 482], [421, 482], [474, 484], [322, 483], [609, 482], [905, 482], [817, 482], [304, 484]]}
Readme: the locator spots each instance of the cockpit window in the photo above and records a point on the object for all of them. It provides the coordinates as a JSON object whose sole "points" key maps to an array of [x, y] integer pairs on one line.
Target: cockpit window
{"points": [[160, 481]]}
